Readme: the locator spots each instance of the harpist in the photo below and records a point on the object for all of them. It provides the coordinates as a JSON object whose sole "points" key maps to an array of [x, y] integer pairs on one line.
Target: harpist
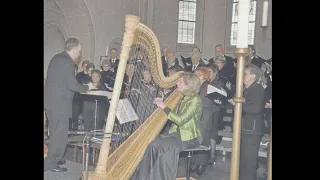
{"points": [[160, 160]]}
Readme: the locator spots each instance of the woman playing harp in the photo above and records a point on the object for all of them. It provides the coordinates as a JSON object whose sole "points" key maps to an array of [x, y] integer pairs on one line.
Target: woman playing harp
{"points": [[160, 160]]}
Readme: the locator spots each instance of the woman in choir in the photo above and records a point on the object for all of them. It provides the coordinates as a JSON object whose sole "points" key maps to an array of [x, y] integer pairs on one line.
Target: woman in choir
{"points": [[84, 77], [90, 107], [226, 73], [209, 118], [160, 160], [84, 71], [252, 122]]}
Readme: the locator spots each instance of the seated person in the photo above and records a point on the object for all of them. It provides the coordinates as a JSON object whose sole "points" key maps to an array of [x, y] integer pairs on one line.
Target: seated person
{"points": [[160, 160], [191, 63], [95, 108]]}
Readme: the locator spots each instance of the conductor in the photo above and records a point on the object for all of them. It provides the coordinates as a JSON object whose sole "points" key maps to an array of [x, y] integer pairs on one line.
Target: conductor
{"points": [[59, 89]]}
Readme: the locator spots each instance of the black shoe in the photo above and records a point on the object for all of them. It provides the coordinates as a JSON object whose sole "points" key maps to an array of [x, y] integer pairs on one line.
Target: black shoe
{"points": [[59, 169], [194, 168], [200, 170], [63, 162]]}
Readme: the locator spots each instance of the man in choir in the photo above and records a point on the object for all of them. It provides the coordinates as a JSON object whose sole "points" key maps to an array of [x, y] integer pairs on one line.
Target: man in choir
{"points": [[230, 62], [171, 61], [254, 59], [196, 62], [191, 63], [113, 60], [60, 86]]}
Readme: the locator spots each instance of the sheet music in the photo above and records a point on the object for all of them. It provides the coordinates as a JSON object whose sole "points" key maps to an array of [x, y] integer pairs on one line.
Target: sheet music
{"points": [[212, 89], [125, 112], [99, 93]]}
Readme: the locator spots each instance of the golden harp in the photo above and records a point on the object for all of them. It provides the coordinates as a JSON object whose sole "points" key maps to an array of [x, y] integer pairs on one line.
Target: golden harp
{"points": [[122, 163]]}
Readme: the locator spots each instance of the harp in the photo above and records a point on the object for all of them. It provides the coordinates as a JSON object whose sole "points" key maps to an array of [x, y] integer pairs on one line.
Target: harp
{"points": [[139, 46]]}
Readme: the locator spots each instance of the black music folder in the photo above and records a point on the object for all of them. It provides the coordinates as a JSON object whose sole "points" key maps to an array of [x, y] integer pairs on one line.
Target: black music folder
{"points": [[216, 93]]}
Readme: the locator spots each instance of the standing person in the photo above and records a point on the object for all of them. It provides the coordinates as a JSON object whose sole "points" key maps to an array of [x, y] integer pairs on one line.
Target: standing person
{"points": [[252, 122], [59, 89]]}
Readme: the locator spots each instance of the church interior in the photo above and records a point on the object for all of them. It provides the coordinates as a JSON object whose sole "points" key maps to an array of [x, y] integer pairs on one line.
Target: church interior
{"points": [[172, 36]]}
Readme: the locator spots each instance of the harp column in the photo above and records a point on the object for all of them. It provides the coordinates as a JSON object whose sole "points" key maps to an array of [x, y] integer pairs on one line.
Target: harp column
{"points": [[241, 52], [131, 23]]}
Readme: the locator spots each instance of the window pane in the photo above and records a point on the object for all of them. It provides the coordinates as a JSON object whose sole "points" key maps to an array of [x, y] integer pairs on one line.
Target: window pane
{"points": [[251, 33], [234, 31], [235, 12], [252, 12], [187, 18]]}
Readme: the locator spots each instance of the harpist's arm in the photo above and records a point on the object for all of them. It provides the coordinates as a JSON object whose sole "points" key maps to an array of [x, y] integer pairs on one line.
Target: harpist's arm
{"points": [[193, 108]]}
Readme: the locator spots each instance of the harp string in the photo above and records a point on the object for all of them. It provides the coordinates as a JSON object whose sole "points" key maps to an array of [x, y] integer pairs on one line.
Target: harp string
{"points": [[140, 91]]}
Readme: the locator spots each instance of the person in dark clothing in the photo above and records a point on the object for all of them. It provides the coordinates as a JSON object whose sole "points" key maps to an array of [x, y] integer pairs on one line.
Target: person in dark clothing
{"points": [[95, 108], [107, 76], [84, 70], [59, 89], [230, 64], [169, 61], [256, 60], [209, 117], [225, 72], [85, 77], [252, 122]]}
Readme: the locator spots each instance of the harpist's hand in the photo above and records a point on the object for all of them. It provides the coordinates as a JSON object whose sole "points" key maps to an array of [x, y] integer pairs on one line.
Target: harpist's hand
{"points": [[159, 102]]}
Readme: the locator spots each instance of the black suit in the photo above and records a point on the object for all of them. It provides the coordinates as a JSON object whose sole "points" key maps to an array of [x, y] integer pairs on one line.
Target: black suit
{"points": [[258, 61], [59, 89], [114, 64], [165, 65], [188, 66]]}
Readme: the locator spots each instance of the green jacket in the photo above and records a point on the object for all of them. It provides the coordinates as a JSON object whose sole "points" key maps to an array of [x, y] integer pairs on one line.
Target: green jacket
{"points": [[188, 119]]}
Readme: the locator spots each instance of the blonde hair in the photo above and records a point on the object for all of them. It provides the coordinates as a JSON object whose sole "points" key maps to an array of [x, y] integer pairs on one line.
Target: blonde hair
{"points": [[192, 81]]}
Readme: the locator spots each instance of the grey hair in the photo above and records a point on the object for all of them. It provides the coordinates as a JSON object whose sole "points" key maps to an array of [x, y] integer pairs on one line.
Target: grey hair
{"points": [[220, 58], [192, 81], [105, 62], [253, 69], [71, 43]]}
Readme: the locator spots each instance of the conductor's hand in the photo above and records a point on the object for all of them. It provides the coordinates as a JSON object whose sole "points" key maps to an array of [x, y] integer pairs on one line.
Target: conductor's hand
{"points": [[159, 102]]}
